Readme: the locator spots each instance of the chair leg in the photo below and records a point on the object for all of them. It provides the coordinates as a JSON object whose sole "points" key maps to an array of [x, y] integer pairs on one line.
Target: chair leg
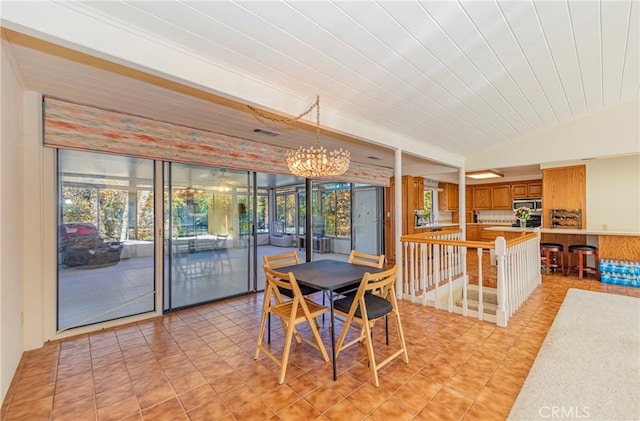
{"points": [[372, 359], [260, 335], [386, 327], [269, 328], [285, 352]]}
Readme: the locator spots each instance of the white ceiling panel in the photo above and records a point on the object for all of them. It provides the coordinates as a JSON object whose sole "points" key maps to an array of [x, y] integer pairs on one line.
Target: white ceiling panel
{"points": [[494, 28], [558, 31], [459, 76], [631, 72], [615, 27], [524, 23], [432, 60], [585, 20]]}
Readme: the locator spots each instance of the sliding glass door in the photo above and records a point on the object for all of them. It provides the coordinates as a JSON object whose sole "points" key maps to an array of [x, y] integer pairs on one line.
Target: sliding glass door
{"points": [[207, 230], [105, 238]]}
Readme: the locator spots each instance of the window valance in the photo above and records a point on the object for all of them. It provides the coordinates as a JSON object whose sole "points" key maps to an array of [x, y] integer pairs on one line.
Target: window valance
{"points": [[81, 127]]}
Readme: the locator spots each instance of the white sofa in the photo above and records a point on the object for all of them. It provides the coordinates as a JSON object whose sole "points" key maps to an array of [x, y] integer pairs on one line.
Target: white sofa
{"points": [[278, 237]]}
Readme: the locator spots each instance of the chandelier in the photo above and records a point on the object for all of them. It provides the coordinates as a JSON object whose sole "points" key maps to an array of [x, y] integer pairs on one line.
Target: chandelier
{"points": [[314, 161]]}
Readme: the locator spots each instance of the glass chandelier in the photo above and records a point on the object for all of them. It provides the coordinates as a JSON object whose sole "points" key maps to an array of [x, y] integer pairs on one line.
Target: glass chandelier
{"points": [[314, 161]]}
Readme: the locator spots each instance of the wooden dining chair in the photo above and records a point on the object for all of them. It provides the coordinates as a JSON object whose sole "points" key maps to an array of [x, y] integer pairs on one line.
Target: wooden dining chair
{"points": [[281, 260], [365, 309], [366, 259], [292, 313]]}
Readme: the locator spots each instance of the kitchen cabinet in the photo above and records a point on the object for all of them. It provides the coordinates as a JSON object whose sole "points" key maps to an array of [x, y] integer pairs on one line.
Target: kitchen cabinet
{"points": [[501, 197], [474, 232], [534, 190], [482, 197], [564, 188], [448, 197], [519, 190], [526, 190], [490, 235], [468, 198], [412, 190], [492, 197], [508, 235], [418, 193]]}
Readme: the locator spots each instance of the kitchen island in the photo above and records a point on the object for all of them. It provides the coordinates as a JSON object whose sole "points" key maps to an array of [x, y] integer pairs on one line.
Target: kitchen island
{"points": [[614, 245]]}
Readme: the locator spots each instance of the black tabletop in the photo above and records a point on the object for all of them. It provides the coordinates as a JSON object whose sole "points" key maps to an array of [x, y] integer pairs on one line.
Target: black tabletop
{"points": [[328, 274]]}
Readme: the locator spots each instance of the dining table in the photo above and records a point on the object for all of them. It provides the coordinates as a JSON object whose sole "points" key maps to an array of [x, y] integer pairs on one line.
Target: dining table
{"points": [[329, 276]]}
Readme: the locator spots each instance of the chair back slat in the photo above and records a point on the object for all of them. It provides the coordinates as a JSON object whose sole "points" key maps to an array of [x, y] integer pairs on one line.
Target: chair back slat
{"points": [[282, 281], [382, 283], [366, 259], [280, 260]]}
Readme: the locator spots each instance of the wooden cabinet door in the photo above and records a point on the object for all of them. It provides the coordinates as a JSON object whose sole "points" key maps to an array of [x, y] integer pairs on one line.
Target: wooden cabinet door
{"points": [[473, 232], [452, 197], [564, 188], [482, 197], [534, 190], [448, 197], [490, 235], [418, 192], [468, 198], [501, 197], [519, 190]]}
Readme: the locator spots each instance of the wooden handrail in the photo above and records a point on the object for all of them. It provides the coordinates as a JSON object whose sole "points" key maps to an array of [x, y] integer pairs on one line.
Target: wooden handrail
{"points": [[426, 238]]}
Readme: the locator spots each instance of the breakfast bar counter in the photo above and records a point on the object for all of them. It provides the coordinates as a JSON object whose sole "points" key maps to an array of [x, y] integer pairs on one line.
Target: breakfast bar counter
{"points": [[615, 245]]}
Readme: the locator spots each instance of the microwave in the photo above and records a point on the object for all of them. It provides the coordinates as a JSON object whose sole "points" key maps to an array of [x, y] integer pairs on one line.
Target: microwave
{"points": [[535, 204]]}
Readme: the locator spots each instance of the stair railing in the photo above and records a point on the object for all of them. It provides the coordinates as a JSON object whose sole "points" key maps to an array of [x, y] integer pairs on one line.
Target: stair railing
{"points": [[435, 271]]}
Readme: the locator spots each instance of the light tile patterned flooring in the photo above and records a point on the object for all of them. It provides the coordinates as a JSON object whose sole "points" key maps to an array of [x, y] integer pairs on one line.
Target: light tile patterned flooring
{"points": [[197, 364]]}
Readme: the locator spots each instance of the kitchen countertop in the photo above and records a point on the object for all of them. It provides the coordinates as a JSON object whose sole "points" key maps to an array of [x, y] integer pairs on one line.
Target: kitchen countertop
{"points": [[562, 231], [444, 224]]}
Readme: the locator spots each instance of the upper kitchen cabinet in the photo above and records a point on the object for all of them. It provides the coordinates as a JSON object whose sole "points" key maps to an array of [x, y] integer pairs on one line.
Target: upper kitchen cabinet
{"points": [[534, 189], [468, 198], [531, 189], [448, 197], [482, 197], [418, 192], [501, 197], [492, 197]]}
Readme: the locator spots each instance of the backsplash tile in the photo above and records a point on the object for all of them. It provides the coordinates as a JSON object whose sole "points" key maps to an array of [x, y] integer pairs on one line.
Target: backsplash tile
{"points": [[495, 217]]}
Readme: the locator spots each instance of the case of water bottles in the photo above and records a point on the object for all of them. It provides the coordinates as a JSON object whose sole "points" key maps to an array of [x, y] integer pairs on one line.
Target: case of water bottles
{"points": [[620, 272]]}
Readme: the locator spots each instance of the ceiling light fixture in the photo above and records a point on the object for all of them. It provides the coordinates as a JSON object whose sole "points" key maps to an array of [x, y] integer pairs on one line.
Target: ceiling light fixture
{"points": [[482, 175], [314, 161]]}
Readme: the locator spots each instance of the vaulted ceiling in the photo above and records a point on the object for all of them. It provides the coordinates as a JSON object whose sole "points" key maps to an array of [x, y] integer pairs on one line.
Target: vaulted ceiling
{"points": [[437, 79]]}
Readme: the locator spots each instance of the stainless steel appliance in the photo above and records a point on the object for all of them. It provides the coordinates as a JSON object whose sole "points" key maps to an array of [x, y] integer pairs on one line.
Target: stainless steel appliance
{"points": [[533, 203]]}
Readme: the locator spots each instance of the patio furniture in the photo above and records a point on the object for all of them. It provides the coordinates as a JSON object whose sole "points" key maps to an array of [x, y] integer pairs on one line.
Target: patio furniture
{"points": [[81, 246]]}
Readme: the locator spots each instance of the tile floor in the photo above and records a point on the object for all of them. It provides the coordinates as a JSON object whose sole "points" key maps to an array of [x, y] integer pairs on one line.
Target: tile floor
{"points": [[197, 364]]}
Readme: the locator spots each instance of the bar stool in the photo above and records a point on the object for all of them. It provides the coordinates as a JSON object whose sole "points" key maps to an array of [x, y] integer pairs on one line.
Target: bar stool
{"points": [[582, 251], [550, 253]]}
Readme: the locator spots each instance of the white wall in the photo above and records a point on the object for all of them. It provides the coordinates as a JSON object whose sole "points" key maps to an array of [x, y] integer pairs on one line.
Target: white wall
{"points": [[11, 221], [614, 131], [613, 193]]}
